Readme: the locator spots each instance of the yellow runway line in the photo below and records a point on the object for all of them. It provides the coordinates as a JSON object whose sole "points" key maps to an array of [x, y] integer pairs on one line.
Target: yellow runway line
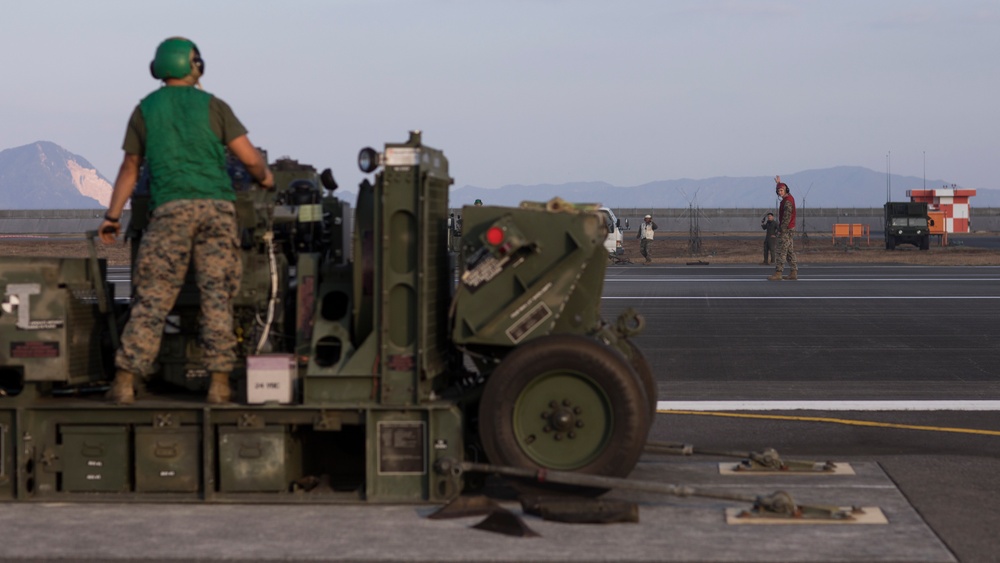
{"points": [[838, 421]]}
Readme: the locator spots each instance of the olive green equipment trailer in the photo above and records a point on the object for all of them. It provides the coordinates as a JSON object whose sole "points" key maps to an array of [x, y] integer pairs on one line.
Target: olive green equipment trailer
{"points": [[365, 357]]}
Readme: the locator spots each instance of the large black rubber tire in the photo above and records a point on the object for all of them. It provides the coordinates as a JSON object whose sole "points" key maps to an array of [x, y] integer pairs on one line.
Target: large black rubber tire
{"points": [[645, 373], [567, 403]]}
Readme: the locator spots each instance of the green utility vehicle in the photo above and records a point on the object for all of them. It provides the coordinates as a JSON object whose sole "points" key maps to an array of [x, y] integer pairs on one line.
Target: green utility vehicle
{"points": [[907, 223], [365, 357]]}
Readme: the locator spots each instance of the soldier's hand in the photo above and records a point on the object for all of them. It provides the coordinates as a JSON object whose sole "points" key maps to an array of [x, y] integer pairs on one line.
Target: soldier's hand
{"points": [[108, 231], [268, 182]]}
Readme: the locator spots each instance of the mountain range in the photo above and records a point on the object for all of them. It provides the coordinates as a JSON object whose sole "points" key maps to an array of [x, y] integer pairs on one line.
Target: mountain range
{"points": [[43, 175], [836, 187]]}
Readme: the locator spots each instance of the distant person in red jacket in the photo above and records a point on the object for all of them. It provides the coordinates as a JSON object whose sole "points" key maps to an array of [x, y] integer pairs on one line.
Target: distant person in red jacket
{"points": [[786, 232]]}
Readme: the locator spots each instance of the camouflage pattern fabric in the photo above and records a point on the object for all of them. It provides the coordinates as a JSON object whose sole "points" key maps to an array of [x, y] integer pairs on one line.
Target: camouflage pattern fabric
{"points": [[201, 232], [646, 249], [786, 251]]}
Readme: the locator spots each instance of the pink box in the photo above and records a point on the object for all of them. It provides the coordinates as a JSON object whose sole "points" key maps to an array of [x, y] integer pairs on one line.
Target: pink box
{"points": [[271, 378]]}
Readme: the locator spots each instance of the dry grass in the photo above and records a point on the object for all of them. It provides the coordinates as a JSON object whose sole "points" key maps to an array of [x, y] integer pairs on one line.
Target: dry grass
{"points": [[716, 248]]}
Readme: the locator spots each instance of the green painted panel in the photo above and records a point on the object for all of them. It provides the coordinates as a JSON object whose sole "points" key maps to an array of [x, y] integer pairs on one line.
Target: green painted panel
{"points": [[95, 459]]}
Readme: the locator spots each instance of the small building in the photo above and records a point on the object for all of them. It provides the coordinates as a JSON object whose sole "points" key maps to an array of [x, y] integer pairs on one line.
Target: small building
{"points": [[951, 202]]}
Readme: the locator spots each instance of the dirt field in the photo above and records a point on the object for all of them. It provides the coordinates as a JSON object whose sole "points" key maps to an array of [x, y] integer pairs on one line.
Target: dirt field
{"points": [[726, 248]]}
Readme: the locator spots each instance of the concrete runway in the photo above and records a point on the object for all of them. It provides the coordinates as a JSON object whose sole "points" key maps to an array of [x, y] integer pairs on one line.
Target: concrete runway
{"points": [[750, 362], [913, 346], [840, 332]]}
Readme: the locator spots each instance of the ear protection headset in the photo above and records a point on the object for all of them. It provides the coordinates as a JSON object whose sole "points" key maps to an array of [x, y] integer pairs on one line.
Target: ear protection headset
{"points": [[173, 59]]}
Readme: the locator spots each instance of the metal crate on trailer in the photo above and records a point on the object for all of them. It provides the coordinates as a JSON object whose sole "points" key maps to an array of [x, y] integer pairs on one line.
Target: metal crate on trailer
{"points": [[255, 460], [167, 459], [95, 459]]}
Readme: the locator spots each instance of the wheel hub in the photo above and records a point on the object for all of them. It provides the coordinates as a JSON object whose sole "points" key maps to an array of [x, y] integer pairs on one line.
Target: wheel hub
{"points": [[562, 421]]}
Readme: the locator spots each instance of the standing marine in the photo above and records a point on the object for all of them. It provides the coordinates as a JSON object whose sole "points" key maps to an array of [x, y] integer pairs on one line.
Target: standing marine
{"points": [[180, 133], [770, 227], [645, 236], [786, 231]]}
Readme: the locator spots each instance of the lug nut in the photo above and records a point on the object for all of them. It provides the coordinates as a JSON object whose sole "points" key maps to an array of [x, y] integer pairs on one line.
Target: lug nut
{"points": [[558, 436], [577, 410], [530, 439], [571, 435], [579, 424], [547, 429]]}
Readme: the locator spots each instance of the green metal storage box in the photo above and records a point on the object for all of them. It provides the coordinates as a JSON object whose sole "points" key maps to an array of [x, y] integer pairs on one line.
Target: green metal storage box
{"points": [[167, 459], [254, 460], [95, 459]]}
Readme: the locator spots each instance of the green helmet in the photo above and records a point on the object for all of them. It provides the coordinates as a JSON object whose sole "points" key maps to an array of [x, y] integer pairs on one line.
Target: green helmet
{"points": [[173, 59]]}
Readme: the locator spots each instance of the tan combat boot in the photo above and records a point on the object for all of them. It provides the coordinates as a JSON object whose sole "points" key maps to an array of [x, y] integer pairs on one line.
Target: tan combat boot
{"points": [[122, 388], [793, 275], [219, 391], [776, 276]]}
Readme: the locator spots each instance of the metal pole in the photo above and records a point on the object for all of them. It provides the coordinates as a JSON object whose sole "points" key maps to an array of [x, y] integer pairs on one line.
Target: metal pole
{"points": [[888, 191], [779, 503]]}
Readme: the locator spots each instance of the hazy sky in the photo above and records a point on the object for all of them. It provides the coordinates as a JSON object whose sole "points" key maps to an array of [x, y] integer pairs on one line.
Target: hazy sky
{"points": [[540, 91]]}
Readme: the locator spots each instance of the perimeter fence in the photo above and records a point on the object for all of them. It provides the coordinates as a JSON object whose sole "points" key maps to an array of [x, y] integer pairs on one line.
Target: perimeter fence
{"points": [[708, 220]]}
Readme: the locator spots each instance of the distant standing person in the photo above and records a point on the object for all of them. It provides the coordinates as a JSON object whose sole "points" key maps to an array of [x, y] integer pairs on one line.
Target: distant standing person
{"points": [[770, 238], [645, 237], [786, 231]]}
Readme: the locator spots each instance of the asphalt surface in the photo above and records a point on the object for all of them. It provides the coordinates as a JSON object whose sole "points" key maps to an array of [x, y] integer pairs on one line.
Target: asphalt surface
{"points": [[979, 241], [741, 364], [913, 339]]}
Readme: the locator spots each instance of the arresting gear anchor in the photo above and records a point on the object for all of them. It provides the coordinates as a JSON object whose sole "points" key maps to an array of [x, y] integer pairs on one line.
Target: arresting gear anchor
{"points": [[767, 460], [779, 505]]}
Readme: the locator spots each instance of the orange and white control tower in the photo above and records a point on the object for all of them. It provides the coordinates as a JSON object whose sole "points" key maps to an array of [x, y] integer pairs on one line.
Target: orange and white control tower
{"points": [[950, 201]]}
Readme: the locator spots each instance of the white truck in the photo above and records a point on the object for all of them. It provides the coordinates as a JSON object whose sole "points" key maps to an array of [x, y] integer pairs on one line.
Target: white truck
{"points": [[613, 242]]}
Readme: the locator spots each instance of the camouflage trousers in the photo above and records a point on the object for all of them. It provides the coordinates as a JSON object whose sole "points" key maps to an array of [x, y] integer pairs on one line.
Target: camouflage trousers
{"points": [[646, 249], [786, 251], [197, 232]]}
